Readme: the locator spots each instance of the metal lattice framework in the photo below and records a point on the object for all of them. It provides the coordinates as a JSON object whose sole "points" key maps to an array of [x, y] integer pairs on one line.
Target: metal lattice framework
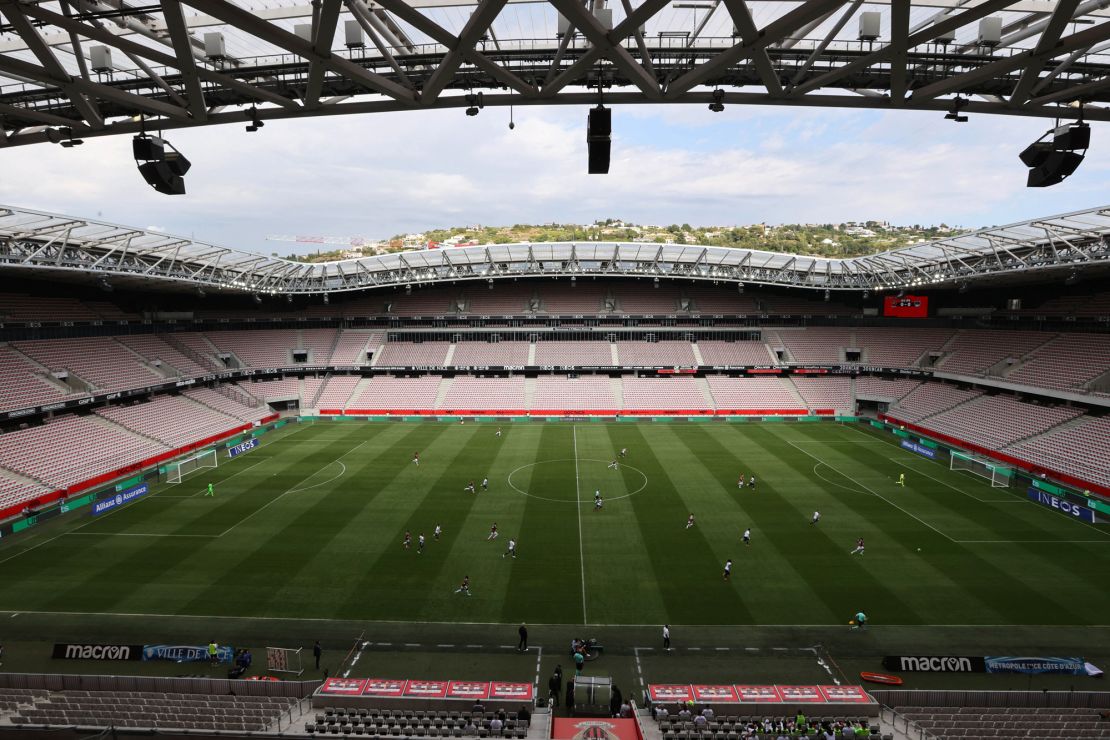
{"points": [[197, 62], [33, 243]]}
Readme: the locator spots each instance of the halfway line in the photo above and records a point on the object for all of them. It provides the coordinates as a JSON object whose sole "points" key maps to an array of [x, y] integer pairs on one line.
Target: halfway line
{"points": [[578, 501]]}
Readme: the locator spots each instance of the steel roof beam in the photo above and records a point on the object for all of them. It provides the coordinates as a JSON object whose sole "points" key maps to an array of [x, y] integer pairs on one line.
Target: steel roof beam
{"points": [[1049, 36], [749, 34], [186, 62]]}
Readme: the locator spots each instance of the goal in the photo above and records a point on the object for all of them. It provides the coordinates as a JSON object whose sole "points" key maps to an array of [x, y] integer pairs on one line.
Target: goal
{"points": [[175, 471], [998, 475], [284, 660]]}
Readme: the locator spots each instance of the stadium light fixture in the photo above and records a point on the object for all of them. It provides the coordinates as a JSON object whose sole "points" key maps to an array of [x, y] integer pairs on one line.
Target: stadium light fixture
{"points": [[475, 102]]}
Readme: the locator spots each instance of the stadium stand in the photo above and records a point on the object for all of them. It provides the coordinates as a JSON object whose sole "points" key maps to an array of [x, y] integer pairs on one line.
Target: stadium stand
{"points": [[100, 361], [319, 343], [997, 421], [725, 726], [70, 449], [573, 353], [335, 392], [677, 393], [409, 723], [744, 353], [929, 399], [809, 346], [271, 348], [386, 392], [753, 393], [21, 307], [482, 354], [577, 299], [649, 354], [216, 401], [898, 347], [1079, 447], [22, 383], [798, 306], [834, 392], [428, 302], [198, 344], [353, 345], [882, 389], [503, 299], [150, 710], [1065, 363], [156, 350], [980, 723], [15, 492], [273, 390], [637, 299], [976, 351], [709, 300], [587, 393], [410, 354], [468, 392], [1071, 305], [172, 420]]}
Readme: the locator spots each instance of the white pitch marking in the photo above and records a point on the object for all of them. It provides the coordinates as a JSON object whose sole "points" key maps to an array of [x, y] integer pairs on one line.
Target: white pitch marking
{"points": [[578, 501], [1009, 500], [884, 498], [139, 534]]}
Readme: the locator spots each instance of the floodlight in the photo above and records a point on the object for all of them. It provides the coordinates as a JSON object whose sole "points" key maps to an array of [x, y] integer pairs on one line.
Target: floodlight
{"points": [[718, 104]]}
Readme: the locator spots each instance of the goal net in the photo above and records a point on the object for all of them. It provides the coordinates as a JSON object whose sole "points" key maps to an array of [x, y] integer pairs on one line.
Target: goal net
{"points": [[284, 660], [998, 475], [175, 471]]}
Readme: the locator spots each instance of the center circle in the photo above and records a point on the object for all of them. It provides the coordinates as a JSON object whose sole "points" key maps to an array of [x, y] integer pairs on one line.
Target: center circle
{"points": [[573, 484]]}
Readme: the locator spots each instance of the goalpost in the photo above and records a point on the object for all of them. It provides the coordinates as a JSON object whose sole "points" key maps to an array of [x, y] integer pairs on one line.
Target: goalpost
{"points": [[175, 471], [284, 660], [998, 475]]}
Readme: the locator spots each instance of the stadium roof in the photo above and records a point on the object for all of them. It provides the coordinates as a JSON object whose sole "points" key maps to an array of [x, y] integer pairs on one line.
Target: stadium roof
{"points": [[39, 244], [197, 62]]}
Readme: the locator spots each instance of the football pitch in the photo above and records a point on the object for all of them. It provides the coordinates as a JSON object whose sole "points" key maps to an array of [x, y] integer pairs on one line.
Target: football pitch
{"points": [[310, 527]]}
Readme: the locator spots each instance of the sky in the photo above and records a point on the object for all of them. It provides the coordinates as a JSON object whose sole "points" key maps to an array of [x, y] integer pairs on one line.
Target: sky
{"points": [[374, 176]]}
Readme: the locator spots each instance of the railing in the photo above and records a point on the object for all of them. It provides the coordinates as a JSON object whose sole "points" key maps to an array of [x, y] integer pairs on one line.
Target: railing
{"points": [[188, 351], [904, 725]]}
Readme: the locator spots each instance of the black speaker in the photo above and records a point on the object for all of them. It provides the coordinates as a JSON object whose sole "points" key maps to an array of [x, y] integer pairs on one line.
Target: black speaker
{"points": [[178, 164], [1072, 136], [161, 177], [599, 127], [1036, 153], [1056, 167], [148, 148]]}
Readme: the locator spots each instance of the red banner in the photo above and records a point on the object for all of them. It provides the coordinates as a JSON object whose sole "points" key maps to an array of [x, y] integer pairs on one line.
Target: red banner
{"points": [[845, 694], [762, 694], [594, 729], [384, 687], [716, 693], [670, 692], [426, 689], [511, 691], [809, 694], [468, 690], [343, 686]]}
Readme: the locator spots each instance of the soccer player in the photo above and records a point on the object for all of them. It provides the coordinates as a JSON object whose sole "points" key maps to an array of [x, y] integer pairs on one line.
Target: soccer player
{"points": [[624, 452], [902, 479], [498, 435], [860, 621], [666, 637], [420, 544], [689, 521], [751, 483], [464, 588], [211, 490], [492, 532], [470, 487], [438, 531], [740, 482], [512, 549], [859, 547], [728, 569], [816, 517], [598, 503], [407, 542], [416, 458], [485, 484], [747, 537]]}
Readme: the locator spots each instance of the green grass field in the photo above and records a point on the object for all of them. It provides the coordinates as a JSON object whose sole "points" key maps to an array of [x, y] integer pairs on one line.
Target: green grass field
{"points": [[310, 525]]}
